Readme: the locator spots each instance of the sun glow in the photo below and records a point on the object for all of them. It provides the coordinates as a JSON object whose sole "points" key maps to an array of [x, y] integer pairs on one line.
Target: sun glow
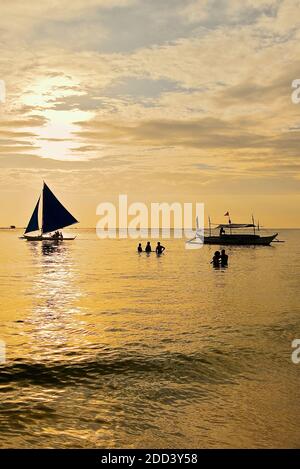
{"points": [[55, 139], [46, 92]]}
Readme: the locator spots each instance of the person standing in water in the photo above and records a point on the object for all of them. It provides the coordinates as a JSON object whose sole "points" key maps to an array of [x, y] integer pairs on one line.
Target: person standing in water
{"points": [[140, 249], [159, 248], [216, 259], [224, 258], [148, 247]]}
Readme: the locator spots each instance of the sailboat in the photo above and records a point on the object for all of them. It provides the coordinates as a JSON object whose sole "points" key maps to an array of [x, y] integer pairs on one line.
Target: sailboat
{"points": [[54, 217]]}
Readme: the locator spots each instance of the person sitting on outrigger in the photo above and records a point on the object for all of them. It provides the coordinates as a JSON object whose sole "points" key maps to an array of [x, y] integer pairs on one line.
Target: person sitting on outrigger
{"points": [[159, 248], [57, 235], [140, 249], [222, 231], [216, 259], [148, 247]]}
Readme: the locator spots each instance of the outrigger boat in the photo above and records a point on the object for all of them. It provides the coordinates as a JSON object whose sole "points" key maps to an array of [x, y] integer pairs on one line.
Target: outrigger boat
{"points": [[54, 217], [238, 239]]}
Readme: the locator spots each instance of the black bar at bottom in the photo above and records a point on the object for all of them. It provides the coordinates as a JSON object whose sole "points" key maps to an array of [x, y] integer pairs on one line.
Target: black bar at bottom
{"points": [[145, 457]]}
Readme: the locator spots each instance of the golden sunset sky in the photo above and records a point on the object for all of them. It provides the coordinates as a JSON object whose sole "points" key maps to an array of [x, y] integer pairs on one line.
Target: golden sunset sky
{"points": [[173, 100]]}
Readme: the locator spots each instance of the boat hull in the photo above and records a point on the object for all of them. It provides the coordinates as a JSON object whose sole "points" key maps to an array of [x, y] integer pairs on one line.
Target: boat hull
{"points": [[240, 240], [47, 238]]}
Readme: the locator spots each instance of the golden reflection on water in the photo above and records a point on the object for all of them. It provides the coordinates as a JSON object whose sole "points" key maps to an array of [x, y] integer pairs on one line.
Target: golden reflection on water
{"points": [[56, 328], [108, 348]]}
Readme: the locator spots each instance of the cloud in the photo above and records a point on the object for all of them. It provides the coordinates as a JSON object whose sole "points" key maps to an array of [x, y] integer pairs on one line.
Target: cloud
{"points": [[198, 133], [140, 87], [31, 121], [214, 13]]}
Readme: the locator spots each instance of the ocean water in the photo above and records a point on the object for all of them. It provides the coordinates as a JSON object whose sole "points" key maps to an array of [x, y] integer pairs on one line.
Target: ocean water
{"points": [[106, 348]]}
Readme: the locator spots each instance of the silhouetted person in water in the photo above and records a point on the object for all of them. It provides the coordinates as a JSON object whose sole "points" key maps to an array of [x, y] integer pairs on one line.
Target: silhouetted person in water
{"points": [[222, 231], [148, 247], [140, 249], [159, 248], [216, 259], [224, 258]]}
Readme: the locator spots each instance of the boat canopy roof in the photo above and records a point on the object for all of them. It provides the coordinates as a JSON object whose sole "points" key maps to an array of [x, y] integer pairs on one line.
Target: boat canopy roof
{"points": [[236, 225]]}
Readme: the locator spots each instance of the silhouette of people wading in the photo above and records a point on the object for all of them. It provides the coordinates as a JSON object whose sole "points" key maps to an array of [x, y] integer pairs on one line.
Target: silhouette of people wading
{"points": [[216, 259], [220, 260], [159, 248], [224, 258]]}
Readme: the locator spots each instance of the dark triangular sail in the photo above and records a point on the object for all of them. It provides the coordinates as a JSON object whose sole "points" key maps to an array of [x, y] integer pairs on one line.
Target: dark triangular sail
{"points": [[55, 215], [33, 224]]}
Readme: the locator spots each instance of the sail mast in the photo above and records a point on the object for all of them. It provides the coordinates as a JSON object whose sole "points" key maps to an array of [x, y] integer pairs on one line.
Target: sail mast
{"points": [[253, 224], [42, 209]]}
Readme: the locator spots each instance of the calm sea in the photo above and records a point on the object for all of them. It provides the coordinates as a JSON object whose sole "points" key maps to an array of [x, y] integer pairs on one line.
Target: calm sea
{"points": [[106, 348]]}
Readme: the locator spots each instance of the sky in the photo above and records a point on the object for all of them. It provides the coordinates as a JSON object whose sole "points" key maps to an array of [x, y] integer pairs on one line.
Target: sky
{"points": [[173, 101]]}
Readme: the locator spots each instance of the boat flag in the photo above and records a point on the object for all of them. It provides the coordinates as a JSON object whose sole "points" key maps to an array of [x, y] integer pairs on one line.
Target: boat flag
{"points": [[226, 214]]}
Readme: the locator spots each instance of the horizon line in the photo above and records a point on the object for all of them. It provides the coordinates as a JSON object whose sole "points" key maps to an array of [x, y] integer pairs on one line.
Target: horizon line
{"points": [[149, 228]]}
